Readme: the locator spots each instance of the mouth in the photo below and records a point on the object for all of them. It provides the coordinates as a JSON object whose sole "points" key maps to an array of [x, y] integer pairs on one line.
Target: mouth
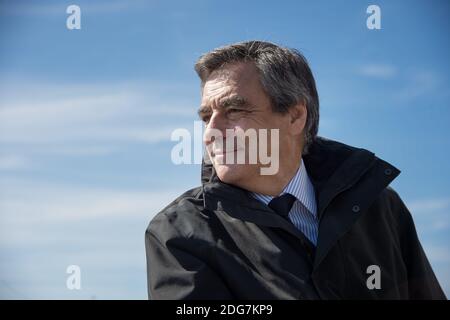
{"points": [[221, 152], [215, 153]]}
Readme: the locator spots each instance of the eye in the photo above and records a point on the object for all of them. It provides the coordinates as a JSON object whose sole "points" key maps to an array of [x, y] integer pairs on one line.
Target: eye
{"points": [[206, 118], [233, 110]]}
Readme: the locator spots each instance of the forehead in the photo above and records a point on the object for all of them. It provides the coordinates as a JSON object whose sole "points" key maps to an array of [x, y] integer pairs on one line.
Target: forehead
{"points": [[238, 78]]}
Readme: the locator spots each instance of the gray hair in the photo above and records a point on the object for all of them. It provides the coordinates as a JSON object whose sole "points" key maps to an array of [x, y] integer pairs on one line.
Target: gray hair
{"points": [[284, 75]]}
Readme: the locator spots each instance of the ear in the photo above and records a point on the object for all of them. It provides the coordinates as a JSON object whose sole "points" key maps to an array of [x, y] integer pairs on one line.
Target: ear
{"points": [[298, 115]]}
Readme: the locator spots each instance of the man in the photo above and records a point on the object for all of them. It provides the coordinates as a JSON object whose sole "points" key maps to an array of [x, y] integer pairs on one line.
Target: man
{"points": [[326, 225]]}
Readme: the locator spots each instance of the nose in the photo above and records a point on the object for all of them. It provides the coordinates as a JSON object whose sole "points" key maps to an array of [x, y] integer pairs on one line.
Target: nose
{"points": [[215, 128]]}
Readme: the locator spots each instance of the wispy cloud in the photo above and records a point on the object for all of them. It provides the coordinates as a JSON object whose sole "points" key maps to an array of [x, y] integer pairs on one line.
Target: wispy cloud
{"points": [[439, 257], [86, 120], [438, 254], [382, 71], [431, 214], [421, 83], [426, 206], [36, 202], [13, 162], [96, 150], [46, 227], [31, 8]]}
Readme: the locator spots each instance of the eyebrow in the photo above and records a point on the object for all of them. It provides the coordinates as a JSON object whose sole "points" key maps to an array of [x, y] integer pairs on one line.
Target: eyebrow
{"points": [[233, 101]]}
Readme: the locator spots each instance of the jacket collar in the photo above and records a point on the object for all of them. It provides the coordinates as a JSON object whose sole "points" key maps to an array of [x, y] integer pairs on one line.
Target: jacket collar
{"points": [[333, 167]]}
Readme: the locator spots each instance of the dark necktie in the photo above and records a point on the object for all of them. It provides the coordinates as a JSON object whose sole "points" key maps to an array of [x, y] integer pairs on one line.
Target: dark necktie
{"points": [[282, 204]]}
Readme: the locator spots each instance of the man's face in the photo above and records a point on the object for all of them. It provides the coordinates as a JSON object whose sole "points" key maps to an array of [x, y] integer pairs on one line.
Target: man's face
{"points": [[233, 98]]}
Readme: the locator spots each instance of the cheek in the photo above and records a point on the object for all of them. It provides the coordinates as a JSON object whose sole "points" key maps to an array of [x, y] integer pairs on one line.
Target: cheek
{"points": [[268, 121], [248, 122]]}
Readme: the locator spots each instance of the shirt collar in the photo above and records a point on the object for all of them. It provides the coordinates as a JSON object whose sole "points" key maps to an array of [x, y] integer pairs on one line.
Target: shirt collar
{"points": [[299, 186]]}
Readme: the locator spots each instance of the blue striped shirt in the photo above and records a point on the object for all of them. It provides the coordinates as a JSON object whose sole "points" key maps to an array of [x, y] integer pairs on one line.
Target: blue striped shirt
{"points": [[303, 213]]}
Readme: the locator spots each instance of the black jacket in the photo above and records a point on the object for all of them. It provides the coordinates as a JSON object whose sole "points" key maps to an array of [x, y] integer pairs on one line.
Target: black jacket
{"points": [[218, 242]]}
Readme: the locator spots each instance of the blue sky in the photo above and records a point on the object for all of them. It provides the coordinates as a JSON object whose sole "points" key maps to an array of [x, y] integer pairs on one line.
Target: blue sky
{"points": [[86, 117]]}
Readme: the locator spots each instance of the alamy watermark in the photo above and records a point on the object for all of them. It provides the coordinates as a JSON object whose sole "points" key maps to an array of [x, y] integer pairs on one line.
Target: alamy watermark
{"points": [[74, 19], [373, 22], [374, 280], [73, 281], [236, 146]]}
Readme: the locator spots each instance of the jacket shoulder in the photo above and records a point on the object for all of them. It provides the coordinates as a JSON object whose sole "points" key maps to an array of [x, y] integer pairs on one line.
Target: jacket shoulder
{"points": [[391, 204], [391, 195], [179, 217]]}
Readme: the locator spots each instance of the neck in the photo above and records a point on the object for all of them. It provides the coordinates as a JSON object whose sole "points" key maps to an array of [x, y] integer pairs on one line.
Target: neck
{"points": [[274, 185]]}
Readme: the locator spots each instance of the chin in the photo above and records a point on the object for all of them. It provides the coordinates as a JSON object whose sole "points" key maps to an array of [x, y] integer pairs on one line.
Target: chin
{"points": [[230, 174]]}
